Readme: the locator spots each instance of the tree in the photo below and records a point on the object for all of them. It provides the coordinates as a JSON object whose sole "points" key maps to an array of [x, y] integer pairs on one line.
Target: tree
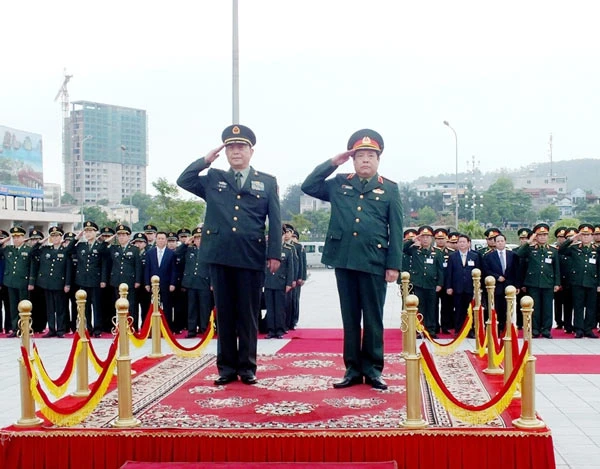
{"points": [[68, 199], [103, 202], [472, 228], [141, 202], [503, 204], [98, 216], [591, 214], [290, 204], [169, 213], [319, 222], [549, 214], [427, 216]]}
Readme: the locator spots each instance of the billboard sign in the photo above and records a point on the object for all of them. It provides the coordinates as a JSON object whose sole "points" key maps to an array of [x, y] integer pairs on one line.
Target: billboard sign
{"points": [[21, 168]]}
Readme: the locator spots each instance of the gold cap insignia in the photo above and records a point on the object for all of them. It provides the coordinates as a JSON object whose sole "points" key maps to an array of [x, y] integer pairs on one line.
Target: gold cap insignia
{"points": [[235, 130]]}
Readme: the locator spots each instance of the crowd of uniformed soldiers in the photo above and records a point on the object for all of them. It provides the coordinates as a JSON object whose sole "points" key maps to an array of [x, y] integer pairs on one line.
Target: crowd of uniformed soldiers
{"points": [[49, 270], [562, 277]]}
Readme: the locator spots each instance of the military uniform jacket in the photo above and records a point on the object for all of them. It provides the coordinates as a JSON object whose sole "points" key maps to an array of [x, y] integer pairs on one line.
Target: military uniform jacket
{"points": [[543, 270], [126, 265], [196, 273], [234, 225], [365, 227], [301, 260], [91, 267], [286, 274], [19, 266], [54, 266], [565, 266], [583, 265], [180, 263], [426, 265]]}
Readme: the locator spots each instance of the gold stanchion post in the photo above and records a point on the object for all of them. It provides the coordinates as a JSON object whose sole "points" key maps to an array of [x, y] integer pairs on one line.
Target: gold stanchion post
{"points": [[125, 418], [492, 369], [511, 302], [476, 276], [404, 279], [156, 352], [528, 419], [414, 417], [83, 388], [28, 417]]}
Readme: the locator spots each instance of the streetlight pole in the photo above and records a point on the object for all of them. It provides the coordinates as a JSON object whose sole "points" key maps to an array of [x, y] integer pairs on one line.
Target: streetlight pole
{"points": [[455, 174], [81, 167], [124, 150]]}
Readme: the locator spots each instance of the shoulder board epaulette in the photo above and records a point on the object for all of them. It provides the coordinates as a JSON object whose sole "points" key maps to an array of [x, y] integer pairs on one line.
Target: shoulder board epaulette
{"points": [[553, 246], [381, 179], [286, 246], [451, 249], [260, 173], [438, 248], [350, 176]]}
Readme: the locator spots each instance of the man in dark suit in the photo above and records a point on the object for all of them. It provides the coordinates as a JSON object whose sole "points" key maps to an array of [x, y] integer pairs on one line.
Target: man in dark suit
{"points": [[160, 261], [364, 244], [238, 202], [459, 280], [503, 265]]}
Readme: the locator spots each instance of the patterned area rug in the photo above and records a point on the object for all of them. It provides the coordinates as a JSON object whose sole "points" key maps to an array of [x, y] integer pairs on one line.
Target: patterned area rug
{"points": [[294, 392]]}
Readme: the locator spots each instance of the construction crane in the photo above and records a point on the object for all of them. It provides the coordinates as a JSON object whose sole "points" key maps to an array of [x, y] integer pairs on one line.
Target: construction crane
{"points": [[63, 93]]}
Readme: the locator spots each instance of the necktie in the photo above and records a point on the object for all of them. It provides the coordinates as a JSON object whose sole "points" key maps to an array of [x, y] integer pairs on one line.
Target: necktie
{"points": [[160, 256], [502, 261], [464, 259], [364, 182], [238, 180]]}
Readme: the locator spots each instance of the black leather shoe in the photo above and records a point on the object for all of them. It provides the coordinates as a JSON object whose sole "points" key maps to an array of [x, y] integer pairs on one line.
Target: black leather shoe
{"points": [[347, 382], [579, 335], [223, 380], [12, 334], [547, 335], [249, 379], [377, 383], [590, 335]]}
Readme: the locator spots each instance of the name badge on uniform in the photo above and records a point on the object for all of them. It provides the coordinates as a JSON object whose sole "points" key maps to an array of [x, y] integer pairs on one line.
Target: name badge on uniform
{"points": [[429, 260], [548, 260], [470, 263], [257, 185], [378, 191], [592, 260], [344, 186]]}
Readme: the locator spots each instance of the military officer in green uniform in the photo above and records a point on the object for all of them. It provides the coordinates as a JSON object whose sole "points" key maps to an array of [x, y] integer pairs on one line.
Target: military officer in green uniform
{"points": [[426, 274], [301, 276], [542, 277], [19, 276], [563, 298], [150, 232], [584, 279], [596, 237], [142, 297], [364, 244], [53, 277], [36, 296], [107, 295], [446, 302], [238, 203]]}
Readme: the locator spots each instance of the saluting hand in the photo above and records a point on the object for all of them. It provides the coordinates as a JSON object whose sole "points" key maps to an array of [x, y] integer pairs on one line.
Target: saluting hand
{"points": [[213, 154], [342, 157]]}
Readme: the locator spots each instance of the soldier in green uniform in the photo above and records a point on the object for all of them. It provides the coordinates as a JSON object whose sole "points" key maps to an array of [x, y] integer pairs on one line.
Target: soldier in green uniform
{"points": [[364, 245], [19, 276], [142, 297], [107, 295], [584, 279], [150, 232], [4, 305], [490, 238], [286, 240], [53, 277], [301, 276], [542, 278], [426, 274], [563, 298], [238, 203], [446, 302], [596, 237], [36, 296]]}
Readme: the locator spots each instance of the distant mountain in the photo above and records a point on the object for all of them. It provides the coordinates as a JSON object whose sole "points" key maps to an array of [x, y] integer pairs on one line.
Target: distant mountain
{"points": [[581, 174]]}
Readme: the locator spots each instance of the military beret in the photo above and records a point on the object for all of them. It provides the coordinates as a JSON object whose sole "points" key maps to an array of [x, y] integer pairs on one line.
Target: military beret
{"points": [[440, 233], [491, 233], [69, 235], [425, 230], [4, 234], [524, 232], [123, 229], [184, 231], [197, 231], [571, 231], [541, 228], [35, 234], [560, 232], [150, 229], [55, 230], [453, 236], [17, 231], [586, 228], [107, 231], [410, 233], [171, 236], [366, 139], [141, 237], [90, 225], [238, 134]]}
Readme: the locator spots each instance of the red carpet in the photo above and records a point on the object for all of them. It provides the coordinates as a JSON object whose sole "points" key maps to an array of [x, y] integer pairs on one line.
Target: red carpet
{"points": [[567, 364], [262, 465]]}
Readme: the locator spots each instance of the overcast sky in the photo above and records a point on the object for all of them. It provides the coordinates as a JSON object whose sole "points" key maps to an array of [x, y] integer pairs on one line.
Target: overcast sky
{"points": [[504, 74]]}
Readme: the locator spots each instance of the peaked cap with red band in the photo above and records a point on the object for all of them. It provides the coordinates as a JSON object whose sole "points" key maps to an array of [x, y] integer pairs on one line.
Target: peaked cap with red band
{"points": [[238, 134], [366, 139]]}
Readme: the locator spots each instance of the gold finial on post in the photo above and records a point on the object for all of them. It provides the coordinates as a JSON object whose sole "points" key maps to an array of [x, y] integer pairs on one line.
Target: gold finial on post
{"points": [[476, 276], [83, 388], [528, 419], [125, 418], [492, 369], [155, 320], [123, 290], [404, 281], [28, 417], [414, 418]]}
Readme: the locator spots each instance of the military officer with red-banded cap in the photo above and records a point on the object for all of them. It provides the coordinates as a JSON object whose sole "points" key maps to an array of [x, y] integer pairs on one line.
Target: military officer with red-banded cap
{"points": [[238, 202], [364, 244]]}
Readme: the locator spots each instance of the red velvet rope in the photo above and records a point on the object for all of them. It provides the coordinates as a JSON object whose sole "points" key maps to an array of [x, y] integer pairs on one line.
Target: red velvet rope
{"points": [[448, 344], [68, 370], [176, 342], [499, 395], [480, 326], [102, 363], [514, 343], [80, 402], [143, 333], [498, 344]]}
